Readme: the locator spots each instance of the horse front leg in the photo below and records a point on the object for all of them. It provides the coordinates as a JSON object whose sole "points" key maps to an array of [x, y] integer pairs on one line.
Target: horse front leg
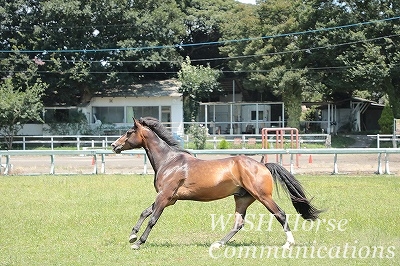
{"points": [[146, 213], [158, 207]]}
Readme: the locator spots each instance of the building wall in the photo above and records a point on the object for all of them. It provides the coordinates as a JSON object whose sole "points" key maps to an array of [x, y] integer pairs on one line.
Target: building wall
{"points": [[175, 104]]}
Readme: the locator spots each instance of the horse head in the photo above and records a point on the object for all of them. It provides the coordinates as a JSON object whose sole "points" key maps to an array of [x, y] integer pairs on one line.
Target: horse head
{"points": [[132, 139]]}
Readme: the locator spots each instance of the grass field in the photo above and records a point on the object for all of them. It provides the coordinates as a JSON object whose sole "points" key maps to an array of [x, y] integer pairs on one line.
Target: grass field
{"points": [[86, 220]]}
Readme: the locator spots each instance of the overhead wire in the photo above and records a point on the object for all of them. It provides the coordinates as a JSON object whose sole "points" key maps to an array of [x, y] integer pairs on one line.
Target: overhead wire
{"points": [[201, 43], [309, 50]]}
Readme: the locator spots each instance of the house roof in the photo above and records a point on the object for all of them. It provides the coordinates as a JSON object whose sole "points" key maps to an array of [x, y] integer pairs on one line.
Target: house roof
{"points": [[343, 103], [157, 88]]}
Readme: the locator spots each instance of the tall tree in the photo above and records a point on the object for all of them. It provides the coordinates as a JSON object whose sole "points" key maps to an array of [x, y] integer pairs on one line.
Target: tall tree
{"points": [[373, 63], [82, 46], [198, 82], [271, 63]]}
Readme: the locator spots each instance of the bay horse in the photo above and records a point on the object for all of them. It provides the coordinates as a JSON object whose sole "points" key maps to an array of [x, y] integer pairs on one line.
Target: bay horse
{"points": [[181, 176]]}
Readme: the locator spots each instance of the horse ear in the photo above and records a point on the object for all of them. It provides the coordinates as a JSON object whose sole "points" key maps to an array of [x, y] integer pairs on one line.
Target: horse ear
{"points": [[135, 122]]}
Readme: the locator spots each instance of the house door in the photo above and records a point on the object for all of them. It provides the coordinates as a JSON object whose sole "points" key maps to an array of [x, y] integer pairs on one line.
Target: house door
{"points": [[255, 116]]}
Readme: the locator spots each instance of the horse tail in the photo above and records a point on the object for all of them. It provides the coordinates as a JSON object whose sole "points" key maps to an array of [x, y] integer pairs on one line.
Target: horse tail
{"points": [[296, 192]]}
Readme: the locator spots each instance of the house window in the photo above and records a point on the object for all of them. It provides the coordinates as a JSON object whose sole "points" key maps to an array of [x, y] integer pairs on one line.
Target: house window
{"points": [[141, 111], [166, 115], [254, 115], [60, 115], [112, 114]]}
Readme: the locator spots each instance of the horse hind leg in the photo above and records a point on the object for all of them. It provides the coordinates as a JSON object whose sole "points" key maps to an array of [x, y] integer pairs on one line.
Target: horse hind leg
{"points": [[242, 203], [280, 215]]}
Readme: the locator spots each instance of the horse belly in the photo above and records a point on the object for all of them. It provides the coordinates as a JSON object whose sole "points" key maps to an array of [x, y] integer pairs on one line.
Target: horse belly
{"points": [[207, 191], [204, 194], [210, 180]]}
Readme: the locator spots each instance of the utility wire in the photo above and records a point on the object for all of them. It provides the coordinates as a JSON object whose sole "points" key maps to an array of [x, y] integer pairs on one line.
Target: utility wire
{"points": [[181, 45], [308, 50]]}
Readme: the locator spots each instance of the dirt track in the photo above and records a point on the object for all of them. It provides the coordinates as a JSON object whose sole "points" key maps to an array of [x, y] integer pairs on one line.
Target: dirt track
{"points": [[129, 164]]}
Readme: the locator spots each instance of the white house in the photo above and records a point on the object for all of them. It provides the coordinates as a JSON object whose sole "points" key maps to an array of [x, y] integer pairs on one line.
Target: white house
{"points": [[118, 106]]}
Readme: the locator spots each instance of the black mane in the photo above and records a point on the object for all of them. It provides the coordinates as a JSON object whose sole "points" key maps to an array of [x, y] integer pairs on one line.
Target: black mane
{"points": [[161, 132]]}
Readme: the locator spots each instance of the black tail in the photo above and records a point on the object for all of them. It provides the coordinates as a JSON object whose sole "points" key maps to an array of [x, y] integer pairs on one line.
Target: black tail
{"points": [[295, 190]]}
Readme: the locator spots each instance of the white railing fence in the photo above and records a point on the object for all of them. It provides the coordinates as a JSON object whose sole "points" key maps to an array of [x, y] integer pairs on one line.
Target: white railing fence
{"points": [[82, 142], [102, 155]]}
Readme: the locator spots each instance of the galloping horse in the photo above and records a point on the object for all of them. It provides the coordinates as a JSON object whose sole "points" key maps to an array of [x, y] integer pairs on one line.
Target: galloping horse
{"points": [[181, 176]]}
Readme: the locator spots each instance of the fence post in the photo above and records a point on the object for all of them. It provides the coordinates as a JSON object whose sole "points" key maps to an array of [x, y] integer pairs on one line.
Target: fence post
{"points": [[52, 142], [23, 143], [379, 171], [7, 168], [52, 164], [94, 162], [387, 171], [377, 141], [335, 167], [103, 163], [78, 144], [291, 164], [145, 165]]}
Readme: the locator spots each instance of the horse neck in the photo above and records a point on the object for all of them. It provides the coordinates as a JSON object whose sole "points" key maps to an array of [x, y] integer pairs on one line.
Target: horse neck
{"points": [[156, 149]]}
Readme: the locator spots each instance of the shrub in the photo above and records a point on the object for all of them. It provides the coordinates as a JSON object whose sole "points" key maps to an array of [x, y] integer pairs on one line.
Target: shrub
{"points": [[223, 144], [386, 120], [199, 135]]}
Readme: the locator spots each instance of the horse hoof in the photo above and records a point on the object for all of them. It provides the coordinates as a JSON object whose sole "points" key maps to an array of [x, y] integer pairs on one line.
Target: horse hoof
{"points": [[217, 245], [288, 245], [135, 247], [132, 238]]}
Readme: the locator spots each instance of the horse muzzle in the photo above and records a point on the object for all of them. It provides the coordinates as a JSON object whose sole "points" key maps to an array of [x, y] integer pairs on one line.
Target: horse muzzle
{"points": [[116, 148]]}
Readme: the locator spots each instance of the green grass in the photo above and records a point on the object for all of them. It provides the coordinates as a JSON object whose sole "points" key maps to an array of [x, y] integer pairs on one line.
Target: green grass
{"points": [[86, 220], [339, 141]]}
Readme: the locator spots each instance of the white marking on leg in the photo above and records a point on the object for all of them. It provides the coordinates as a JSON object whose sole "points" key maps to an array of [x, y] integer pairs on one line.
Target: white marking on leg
{"points": [[289, 240], [216, 245]]}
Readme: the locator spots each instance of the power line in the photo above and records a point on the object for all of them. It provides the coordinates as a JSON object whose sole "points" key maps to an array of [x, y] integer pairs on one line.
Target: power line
{"points": [[308, 50], [310, 69], [181, 45]]}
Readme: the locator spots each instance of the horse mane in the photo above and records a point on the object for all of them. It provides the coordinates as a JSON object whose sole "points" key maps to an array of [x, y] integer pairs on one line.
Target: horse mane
{"points": [[161, 132]]}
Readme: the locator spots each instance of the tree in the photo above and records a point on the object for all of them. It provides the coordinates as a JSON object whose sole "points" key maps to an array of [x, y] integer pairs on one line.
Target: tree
{"points": [[386, 120], [198, 82], [269, 62], [19, 106], [85, 46], [362, 58]]}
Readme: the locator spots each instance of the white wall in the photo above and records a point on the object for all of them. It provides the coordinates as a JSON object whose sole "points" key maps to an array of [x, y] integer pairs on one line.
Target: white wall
{"points": [[175, 103]]}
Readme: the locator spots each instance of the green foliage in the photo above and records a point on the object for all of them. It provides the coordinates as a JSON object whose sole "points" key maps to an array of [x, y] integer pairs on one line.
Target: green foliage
{"points": [[198, 82], [223, 144], [199, 135], [386, 120], [339, 141], [72, 37], [18, 106], [76, 125], [83, 27]]}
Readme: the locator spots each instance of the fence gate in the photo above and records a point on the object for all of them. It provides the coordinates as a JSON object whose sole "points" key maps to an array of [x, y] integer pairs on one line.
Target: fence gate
{"points": [[285, 137]]}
